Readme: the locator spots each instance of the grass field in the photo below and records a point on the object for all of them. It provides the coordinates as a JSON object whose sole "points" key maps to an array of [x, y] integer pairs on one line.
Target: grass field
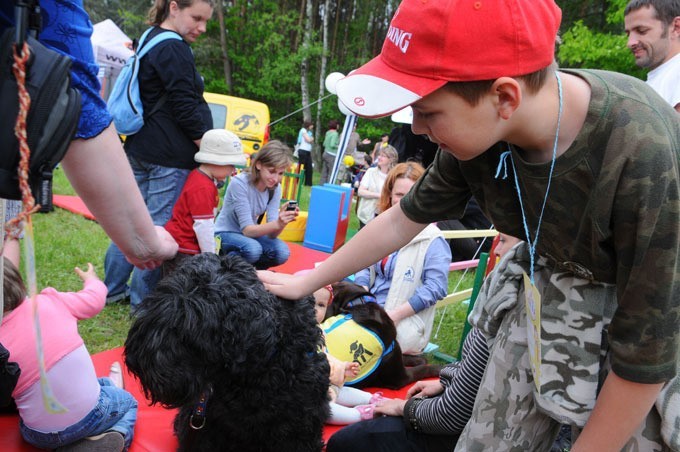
{"points": [[65, 240]]}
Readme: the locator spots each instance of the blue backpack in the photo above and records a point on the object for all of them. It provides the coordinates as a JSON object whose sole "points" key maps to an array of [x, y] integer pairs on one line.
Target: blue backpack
{"points": [[124, 103]]}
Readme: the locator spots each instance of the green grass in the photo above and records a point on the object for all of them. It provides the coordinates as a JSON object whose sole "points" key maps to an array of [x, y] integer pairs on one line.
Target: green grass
{"points": [[64, 240]]}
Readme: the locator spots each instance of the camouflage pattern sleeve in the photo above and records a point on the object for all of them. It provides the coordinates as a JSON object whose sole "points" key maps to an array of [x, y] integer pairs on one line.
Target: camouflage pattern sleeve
{"points": [[441, 193], [645, 331]]}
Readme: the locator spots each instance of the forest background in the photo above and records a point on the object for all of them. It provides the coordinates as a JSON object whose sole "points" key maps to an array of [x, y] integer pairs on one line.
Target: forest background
{"points": [[280, 51]]}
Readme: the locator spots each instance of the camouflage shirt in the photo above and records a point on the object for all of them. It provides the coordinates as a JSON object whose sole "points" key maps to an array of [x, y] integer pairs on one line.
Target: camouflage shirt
{"points": [[612, 213]]}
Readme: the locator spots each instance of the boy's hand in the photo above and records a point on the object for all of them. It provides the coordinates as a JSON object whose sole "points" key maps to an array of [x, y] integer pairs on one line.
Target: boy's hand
{"points": [[283, 285], [425, 389], [87, 275], [351, 369]]}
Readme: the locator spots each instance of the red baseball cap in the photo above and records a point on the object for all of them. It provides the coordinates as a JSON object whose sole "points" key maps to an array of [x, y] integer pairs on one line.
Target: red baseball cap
{"points": [[432, 42]]}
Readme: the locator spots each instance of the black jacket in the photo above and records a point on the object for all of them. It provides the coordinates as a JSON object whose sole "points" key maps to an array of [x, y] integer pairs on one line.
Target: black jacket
{"points": [[167, 136]]}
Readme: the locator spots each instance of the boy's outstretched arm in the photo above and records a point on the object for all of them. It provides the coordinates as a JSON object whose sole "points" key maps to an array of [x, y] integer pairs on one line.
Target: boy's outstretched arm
{"points": [[388, 232], [620, 409]]}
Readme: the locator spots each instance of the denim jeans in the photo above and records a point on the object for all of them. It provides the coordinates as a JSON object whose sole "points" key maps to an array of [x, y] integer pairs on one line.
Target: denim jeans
{"points": [[116, 410], [261, 252], [160, 187]]}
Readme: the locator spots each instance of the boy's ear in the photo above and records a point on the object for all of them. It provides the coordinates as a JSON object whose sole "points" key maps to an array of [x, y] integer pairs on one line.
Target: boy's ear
{"points": [[508, 95]]}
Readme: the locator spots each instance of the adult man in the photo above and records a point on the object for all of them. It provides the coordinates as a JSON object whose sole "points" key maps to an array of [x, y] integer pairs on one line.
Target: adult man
{"points": [[653, 29]]}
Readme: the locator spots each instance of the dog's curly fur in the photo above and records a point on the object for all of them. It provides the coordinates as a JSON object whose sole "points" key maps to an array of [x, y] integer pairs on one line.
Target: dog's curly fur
{"points": [[395, 370], [211, 327]]}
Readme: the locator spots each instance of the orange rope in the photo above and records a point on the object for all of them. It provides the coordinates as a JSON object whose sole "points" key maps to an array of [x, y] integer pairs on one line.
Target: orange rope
{"points": [[13, 227]]}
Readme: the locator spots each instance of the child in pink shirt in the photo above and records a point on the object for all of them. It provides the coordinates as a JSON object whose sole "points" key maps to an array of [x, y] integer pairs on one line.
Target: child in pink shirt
{"points": [[98, 414]]}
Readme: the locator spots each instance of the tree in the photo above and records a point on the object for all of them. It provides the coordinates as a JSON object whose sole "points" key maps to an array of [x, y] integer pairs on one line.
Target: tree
{"points": [[597, 47], [219, 8]]}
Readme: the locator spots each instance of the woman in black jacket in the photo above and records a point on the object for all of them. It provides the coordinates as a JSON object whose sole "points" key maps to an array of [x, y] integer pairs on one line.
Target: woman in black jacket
{"points": [[162, 152]]}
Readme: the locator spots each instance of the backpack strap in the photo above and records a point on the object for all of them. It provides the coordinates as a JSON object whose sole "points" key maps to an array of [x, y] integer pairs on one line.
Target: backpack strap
{"points": [[144, 49], [271, 195]]}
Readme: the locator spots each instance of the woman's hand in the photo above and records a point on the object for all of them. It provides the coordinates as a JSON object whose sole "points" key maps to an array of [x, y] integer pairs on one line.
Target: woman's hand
{"points": [[163, 249], [390, 407], [286, 216], [427, 388]]}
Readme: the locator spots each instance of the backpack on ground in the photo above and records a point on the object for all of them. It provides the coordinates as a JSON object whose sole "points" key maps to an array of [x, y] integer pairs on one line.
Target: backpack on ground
{"points": [[125, 104], [53, 114]]}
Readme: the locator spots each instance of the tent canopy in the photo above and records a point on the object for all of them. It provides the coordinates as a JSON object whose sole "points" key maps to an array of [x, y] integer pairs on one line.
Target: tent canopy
{"points": [[112, 48]]}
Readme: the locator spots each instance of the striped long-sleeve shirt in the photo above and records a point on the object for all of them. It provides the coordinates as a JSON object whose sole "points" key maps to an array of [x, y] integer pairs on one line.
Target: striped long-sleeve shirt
{"points": [[447, 413]]}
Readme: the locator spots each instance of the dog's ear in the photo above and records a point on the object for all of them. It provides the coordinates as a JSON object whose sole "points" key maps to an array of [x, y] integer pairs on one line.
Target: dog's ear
{"points": [[345, 292]]}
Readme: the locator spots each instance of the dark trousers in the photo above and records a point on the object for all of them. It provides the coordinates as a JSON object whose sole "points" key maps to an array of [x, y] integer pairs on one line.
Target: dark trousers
{"points": [[388, 434], [305, 158]]}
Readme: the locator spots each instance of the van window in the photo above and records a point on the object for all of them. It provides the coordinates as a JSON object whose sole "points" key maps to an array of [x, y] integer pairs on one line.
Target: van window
{"points": [[219, 114]]}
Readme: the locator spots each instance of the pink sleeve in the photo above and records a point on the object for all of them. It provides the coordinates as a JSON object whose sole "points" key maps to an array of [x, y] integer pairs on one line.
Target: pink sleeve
{"points": [[85, 303]]}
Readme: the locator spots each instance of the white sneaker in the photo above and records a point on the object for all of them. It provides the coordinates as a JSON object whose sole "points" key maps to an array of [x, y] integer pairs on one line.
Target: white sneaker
{"points": [[116, 375]]}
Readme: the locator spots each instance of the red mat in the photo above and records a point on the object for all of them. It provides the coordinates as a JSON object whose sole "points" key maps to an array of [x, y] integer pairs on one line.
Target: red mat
{"points": [[73, 204], [301, 258], [153, 430]]}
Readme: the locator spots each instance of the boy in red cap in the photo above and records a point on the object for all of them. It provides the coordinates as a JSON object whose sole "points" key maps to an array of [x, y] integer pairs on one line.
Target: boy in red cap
{"points": [[581, 164]]}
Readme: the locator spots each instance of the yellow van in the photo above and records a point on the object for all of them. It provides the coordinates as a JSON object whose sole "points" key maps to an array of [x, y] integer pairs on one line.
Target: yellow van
{"points": [[248, 119]]}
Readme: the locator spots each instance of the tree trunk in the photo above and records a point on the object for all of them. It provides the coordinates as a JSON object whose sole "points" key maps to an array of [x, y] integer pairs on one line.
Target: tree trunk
{"points": [[304, 64], [322, 85], [226, 64]]}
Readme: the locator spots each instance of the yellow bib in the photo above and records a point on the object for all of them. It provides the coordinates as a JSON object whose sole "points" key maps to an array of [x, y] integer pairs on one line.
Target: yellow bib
{"points": [[348, 341]]}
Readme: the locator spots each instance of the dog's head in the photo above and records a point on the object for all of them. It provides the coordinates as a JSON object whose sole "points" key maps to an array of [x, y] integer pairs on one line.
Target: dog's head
{"points": [[209, 320]]}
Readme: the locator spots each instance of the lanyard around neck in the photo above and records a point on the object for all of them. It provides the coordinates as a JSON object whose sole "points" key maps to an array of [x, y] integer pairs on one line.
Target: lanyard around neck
{"points": [[532, 242]]}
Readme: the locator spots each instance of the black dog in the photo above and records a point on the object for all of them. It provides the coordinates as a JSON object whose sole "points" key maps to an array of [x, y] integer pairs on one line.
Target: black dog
{"points": [[242, 366], [395, 370]]}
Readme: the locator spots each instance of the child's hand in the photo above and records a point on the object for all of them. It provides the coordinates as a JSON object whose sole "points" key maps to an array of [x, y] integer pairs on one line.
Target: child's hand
{"points": [[87, 275], [351, 369]]}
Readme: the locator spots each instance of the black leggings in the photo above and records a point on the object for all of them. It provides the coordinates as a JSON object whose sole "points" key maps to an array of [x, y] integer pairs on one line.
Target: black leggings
{"points": [[388, 434], [305, 158]]}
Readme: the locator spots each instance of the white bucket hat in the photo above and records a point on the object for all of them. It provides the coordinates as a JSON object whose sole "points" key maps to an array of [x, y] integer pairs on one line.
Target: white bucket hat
{"points": [[220, 147]]}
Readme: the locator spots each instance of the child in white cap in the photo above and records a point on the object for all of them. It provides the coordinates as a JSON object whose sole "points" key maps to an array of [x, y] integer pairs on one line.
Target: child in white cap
{"points": [[583, 166], [192, 224]]}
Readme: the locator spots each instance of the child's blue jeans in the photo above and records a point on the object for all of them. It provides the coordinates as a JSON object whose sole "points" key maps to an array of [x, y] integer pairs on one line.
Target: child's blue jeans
{"points": [[116, 410]]}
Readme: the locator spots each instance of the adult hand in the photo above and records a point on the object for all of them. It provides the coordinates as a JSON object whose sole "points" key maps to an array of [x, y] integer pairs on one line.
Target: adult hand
{"points": [[166, 248], [283, 285], [427, 388], [286, 216], [390, 407]]}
